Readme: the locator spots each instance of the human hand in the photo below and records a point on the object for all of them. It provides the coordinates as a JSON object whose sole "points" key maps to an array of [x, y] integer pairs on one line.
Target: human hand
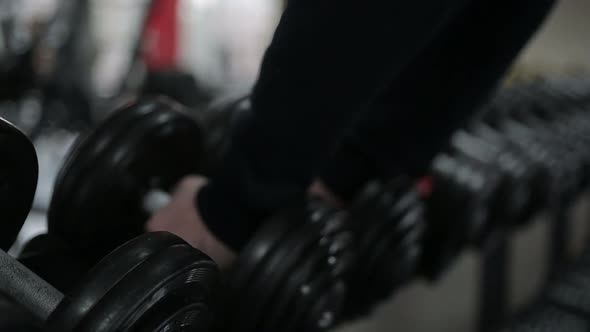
{"points": [[319, 189], [181, 217]]}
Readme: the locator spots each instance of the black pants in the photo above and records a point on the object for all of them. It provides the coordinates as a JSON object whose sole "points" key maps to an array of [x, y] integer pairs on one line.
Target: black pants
{"points": [[352, 89]]}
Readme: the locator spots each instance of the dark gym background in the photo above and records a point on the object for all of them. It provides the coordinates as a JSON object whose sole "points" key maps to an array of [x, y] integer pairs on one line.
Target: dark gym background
{"points": [[231, 37]]}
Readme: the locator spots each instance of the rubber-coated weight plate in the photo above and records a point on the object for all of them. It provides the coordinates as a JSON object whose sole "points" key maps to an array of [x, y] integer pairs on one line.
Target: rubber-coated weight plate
{"points": [[174, 284], [264, 241], [98, 195], [82, 299], [278, 312], [331, 245], [319, 304], [18, 181], [271, 274]]}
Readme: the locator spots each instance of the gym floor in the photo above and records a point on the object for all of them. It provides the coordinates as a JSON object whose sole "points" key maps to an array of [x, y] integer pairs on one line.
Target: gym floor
{"points": [[451, 303]]}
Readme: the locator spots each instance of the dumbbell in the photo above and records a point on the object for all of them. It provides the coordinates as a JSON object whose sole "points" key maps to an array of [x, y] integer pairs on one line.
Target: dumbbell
{"points": [[389, 221], [153, 282], [120, 173]]}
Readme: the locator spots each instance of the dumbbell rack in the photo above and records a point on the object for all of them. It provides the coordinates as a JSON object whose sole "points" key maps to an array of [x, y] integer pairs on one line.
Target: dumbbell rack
{"points": [[536, 101]]}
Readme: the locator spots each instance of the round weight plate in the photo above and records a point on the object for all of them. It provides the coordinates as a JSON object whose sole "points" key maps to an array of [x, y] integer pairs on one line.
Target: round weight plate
{"points": [[394, 261], [278, 313], [108, 272], [342, 248], [175, 284], [264, 241], [271, 274], [367, 218], [399, 265], [18, 181], [327, 310], [330, 244], [98, 195]]}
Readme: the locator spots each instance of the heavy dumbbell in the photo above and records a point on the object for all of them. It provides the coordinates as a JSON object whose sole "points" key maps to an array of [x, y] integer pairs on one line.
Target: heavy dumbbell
{"points": [[388, 219], [155, 282], [18, 181], [121, 172]]}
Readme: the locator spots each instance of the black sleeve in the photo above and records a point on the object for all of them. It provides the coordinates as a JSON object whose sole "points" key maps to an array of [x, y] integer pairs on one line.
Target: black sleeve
{"points": [[327, 61], [413, 118]]}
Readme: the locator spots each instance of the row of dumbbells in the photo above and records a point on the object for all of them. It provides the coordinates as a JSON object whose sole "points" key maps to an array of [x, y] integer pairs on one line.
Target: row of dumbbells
{"points": [[525, 154], [304, 270]]}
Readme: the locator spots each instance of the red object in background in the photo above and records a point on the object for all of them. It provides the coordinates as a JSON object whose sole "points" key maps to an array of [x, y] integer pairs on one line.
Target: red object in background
{"points": [[424, 186], [160, 36]]}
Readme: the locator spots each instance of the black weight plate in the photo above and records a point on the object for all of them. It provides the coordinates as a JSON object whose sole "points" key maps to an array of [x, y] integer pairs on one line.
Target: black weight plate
{"points": [[272, 272], [151, 144], [376, 246], [395, 261], [174, 284], [343, 255], [331, 245], [369, 214], [321, 296], [407, 235], [81, 300], [18, 181], [264, 241], [327, 310], [399, 266], [278, 313]]}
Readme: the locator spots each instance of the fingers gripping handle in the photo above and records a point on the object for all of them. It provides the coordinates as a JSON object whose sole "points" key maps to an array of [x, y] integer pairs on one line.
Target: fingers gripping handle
{"points": [[26, 288]]}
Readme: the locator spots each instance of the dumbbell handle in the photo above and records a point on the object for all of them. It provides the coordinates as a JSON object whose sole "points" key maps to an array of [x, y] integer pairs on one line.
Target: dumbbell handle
{"points": [[154, 200], [27, 288]]}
